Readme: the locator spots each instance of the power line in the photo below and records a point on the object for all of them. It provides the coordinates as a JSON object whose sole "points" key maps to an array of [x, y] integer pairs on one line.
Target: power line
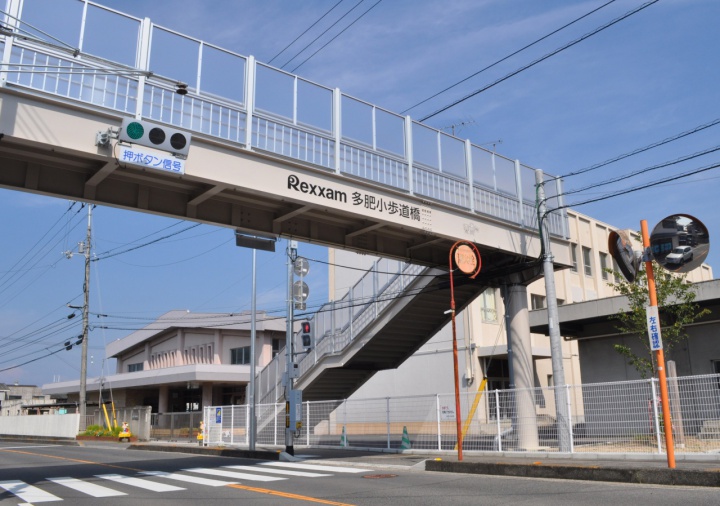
{"points": [[336, 36], [507, 57], [543, 58], [107, 254], [306, 31], [323, 33], [642, 149], [642, 171], [640, 187]]}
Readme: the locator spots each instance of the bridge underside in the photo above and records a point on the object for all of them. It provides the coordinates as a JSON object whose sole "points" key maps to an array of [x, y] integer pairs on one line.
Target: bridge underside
{"points": [[50, 166]]}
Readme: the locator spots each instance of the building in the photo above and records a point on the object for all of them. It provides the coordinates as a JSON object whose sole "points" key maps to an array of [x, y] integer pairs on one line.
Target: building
{"points": [[591, 326], [182, 361], [22, 400]]}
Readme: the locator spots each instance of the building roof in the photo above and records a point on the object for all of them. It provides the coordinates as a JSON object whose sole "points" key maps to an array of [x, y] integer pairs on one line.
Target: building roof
{"points": [[186, 320], [594, 318]]}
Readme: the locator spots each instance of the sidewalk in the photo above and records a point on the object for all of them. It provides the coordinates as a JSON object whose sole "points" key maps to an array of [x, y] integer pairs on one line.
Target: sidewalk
{"points": [[691, 470]]}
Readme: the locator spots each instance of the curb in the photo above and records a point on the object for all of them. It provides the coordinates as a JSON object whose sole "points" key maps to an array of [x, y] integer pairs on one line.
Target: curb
{"points": [[41, 439], [203, 450], [692, 478]]}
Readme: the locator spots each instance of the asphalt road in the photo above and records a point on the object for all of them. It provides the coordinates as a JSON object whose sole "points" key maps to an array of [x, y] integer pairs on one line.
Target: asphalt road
{"points": [[32, 474]]}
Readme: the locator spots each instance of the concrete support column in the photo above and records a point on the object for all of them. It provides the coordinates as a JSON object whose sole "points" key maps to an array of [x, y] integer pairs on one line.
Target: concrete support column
{"points": [[522, 366], [207, 399], [163, 399]]}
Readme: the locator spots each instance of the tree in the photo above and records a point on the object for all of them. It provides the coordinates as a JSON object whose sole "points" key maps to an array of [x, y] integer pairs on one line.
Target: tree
{"points": [[677, 307]]}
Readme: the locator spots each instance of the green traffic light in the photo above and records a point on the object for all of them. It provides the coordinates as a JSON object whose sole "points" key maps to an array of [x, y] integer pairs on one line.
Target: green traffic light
{"points": [[135, 130]]}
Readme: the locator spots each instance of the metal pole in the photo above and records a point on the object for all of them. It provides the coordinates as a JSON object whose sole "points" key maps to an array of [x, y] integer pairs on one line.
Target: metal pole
{"points": [[659, 355], [458, 415], [85, 315], [553, 322], [289, 349], [253, 419]]}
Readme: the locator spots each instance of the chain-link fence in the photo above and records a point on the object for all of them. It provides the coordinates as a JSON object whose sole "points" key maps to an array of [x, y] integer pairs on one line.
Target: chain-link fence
{"points": [[604, 417], [175, 426]]}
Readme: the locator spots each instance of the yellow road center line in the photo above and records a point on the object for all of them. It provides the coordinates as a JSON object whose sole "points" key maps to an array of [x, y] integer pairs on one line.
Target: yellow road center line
{"points": [[70, 459], [288, 495]]}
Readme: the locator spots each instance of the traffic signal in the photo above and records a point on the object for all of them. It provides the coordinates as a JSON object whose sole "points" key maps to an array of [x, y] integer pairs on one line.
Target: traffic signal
{"points": [[305, 335], [155, 136]]}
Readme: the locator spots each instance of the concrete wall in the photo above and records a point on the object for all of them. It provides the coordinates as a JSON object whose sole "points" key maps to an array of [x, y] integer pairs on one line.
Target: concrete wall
{"points": [[40, 425]]}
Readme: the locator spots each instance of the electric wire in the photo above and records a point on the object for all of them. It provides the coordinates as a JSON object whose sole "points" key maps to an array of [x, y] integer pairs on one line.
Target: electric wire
{"points": [[506, 57], [306, 31], [323, 33], [106, 255], [539, 60], [641, 171], [667, 140], [640, 187], [336, 36]]}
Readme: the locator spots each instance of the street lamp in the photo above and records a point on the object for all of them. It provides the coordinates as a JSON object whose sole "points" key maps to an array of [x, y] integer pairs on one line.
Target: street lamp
{"points": [[255, 242]]}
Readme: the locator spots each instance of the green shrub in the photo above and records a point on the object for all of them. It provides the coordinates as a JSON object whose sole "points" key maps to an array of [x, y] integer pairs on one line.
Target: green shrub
{"points": [[98, 431]]}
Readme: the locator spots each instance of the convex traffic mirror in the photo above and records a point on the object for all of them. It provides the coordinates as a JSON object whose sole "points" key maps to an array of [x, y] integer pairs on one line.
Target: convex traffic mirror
{"points": [[680, 243]]}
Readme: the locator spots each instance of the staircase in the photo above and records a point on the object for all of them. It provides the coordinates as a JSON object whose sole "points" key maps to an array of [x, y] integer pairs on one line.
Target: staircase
{"points": [[385, 317]]}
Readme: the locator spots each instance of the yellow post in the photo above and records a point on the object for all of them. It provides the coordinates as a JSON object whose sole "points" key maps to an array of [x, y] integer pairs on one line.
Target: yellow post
{"points": [[473, 408], [107, 418], [659, 356]]}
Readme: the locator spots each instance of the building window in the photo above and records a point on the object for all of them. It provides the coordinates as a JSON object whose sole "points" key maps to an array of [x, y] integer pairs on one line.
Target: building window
{"points": [[537, 301], [550, 381], [587, 264], [573, 252], [275, 347], [560, 302], [240, 356], [135, 367], [604, 265], [487, 305]]}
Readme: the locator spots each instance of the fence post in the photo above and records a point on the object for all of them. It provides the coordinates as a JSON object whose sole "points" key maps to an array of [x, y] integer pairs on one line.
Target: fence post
{"points": [[307, 425], [569, 412], [656, 420], [387, 419], [345, 442], [247, 426], [439, 429], [275, 429], [497, 420]]}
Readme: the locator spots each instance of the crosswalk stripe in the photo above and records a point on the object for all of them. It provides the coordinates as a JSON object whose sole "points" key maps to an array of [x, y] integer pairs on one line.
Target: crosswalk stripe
{"points": [[190, 479], [232, 474], [28, 493], [315, 467], [139, 482], [85, 487], [286, 472]]}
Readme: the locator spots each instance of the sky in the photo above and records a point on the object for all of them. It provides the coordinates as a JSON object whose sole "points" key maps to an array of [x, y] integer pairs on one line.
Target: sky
{"points": [[641, 80]]}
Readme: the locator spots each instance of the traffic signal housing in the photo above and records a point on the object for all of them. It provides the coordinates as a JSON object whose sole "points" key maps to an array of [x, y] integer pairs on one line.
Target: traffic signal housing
{"points": [[306, 335], [156, 136]]}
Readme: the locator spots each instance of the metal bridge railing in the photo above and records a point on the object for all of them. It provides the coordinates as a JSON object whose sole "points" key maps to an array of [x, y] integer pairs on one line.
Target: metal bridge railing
{"points": [[233, 98]]}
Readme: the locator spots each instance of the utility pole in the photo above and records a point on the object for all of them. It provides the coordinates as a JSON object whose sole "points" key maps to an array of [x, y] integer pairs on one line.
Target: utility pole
{"points": [[561, 415], [290, 370], [85, 314]]}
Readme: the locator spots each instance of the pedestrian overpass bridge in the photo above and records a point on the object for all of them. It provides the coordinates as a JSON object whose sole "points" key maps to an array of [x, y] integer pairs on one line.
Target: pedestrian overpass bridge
{"points": [[271, 154]]}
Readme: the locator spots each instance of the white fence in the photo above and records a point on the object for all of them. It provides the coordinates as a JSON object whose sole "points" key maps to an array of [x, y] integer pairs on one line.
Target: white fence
{"points": [[40, 425], [605, 417]]}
